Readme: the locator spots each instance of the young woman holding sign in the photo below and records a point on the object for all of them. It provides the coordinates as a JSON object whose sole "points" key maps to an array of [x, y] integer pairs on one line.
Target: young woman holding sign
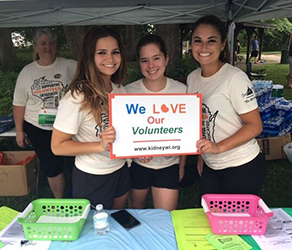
{"points": [[161, 174], [81, 126], [230, 160]]}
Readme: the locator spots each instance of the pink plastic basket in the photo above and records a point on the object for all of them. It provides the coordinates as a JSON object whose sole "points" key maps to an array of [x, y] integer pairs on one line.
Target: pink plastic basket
{"points": [[236, 213]]}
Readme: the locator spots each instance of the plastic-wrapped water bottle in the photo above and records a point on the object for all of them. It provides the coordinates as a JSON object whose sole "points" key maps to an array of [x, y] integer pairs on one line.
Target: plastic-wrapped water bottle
{"points": [[263, 91], [100, 220]]}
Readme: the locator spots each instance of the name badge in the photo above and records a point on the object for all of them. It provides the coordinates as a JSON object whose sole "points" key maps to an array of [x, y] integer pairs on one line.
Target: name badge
{"points": [[47, 116]]}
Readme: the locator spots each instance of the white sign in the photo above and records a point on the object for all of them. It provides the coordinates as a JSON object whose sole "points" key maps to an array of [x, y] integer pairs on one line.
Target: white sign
{"points": [[155, 124]]}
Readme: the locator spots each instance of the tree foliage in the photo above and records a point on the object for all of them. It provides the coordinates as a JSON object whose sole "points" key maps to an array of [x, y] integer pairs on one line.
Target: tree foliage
{"points": [[7, 84], [274, 39], [277, 39]]}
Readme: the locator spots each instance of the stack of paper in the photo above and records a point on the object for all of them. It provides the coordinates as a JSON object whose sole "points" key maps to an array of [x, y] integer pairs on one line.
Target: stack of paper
{"points": [[191, 226], [279, 232], [12, 236]]}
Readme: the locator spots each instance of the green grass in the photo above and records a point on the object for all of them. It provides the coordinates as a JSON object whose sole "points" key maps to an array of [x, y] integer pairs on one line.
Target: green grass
{"points": [[243, 51], [271, 52], [277, 73], [276, 191]]}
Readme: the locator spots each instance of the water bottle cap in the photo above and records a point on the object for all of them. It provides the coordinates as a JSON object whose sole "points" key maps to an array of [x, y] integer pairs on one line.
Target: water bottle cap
{"points": [[99, 207]]}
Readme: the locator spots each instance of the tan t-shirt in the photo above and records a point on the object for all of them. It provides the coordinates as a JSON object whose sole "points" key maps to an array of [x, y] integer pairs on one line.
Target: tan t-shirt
{"points": [[226, 95], [172, 86], [82, 125], [42, 87]]}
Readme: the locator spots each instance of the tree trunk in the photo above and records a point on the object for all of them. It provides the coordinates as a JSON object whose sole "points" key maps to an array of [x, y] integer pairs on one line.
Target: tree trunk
{"points": [[74, 36], [131, 41], [171, 36], [8, 56]]}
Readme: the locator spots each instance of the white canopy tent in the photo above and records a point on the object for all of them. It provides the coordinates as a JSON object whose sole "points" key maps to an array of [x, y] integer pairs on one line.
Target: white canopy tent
{"points": [[29, 13]]}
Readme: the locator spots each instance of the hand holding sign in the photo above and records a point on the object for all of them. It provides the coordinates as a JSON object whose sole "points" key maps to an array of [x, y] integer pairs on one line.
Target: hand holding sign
{"points": [[108, 136]]}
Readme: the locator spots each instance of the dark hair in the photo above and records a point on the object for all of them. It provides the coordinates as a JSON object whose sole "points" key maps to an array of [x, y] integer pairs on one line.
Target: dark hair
{"points": [[151, 39], [220, 26], [88, 80]]}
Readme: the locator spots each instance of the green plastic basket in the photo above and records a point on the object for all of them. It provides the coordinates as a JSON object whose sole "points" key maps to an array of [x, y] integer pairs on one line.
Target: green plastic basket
{"points": [[62, 219]]}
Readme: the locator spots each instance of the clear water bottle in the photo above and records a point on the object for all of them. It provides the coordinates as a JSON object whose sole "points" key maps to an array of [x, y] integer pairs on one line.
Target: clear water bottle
{"points": [[100, 221]]}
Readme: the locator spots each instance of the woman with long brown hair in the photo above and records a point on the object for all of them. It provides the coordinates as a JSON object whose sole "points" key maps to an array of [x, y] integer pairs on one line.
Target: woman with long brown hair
{"points": [[81, 126], [230, 160]]}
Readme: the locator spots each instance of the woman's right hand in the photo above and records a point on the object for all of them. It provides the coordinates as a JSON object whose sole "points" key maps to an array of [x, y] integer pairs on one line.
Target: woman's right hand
{"points": [[21, 139], [108, 136]]}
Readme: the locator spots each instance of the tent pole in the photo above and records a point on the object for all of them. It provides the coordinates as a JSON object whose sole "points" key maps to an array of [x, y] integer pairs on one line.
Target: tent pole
{"points": [[261, 33], [231, 28]]}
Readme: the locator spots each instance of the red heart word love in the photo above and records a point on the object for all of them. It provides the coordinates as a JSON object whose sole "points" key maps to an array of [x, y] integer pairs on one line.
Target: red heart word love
{"points": [[174, 108]]}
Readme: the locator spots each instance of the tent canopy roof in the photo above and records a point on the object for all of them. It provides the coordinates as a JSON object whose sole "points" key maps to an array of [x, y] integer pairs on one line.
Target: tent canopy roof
{"points": [[29, 13]]}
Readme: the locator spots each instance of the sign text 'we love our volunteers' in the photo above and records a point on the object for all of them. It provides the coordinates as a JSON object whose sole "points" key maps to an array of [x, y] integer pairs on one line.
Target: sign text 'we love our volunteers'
{"points": [[155, 124]]}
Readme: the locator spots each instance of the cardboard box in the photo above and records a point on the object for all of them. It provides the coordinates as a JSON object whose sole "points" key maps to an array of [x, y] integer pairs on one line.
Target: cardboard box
{"points": [[273, 146], [17, 179]]}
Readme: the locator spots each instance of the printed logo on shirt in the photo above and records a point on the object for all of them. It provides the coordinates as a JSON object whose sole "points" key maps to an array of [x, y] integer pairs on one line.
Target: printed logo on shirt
{"points": [[248, 92], [209, 122], [248, 95], [104, 124], [49, 91]]}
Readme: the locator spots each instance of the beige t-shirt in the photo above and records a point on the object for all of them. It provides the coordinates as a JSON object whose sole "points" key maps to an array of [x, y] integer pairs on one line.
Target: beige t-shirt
{"points": [[172, 86], [82, 125], [226, 95], [42, 87]]}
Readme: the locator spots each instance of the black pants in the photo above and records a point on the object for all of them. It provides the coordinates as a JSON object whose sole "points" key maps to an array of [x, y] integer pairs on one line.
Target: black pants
{"points": [[50, 164], [244, 179], [101, 189]]}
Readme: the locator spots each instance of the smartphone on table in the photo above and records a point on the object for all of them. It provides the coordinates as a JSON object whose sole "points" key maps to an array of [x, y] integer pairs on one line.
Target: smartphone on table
{"points": [[125, 219]]}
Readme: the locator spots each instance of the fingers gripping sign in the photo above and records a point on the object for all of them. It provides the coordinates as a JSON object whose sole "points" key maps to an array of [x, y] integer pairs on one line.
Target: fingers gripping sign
{"points": [[207, 146], [108, 136], [145, 159]]}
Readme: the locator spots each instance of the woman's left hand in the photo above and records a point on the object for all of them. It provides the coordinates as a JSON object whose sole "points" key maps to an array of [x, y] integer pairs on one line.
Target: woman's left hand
{"points": [[145, 159], [206, 146]]}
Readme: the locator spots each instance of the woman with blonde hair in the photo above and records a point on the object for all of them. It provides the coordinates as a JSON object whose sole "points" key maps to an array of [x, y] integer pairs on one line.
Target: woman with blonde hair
{"points": [[39, 88]]}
